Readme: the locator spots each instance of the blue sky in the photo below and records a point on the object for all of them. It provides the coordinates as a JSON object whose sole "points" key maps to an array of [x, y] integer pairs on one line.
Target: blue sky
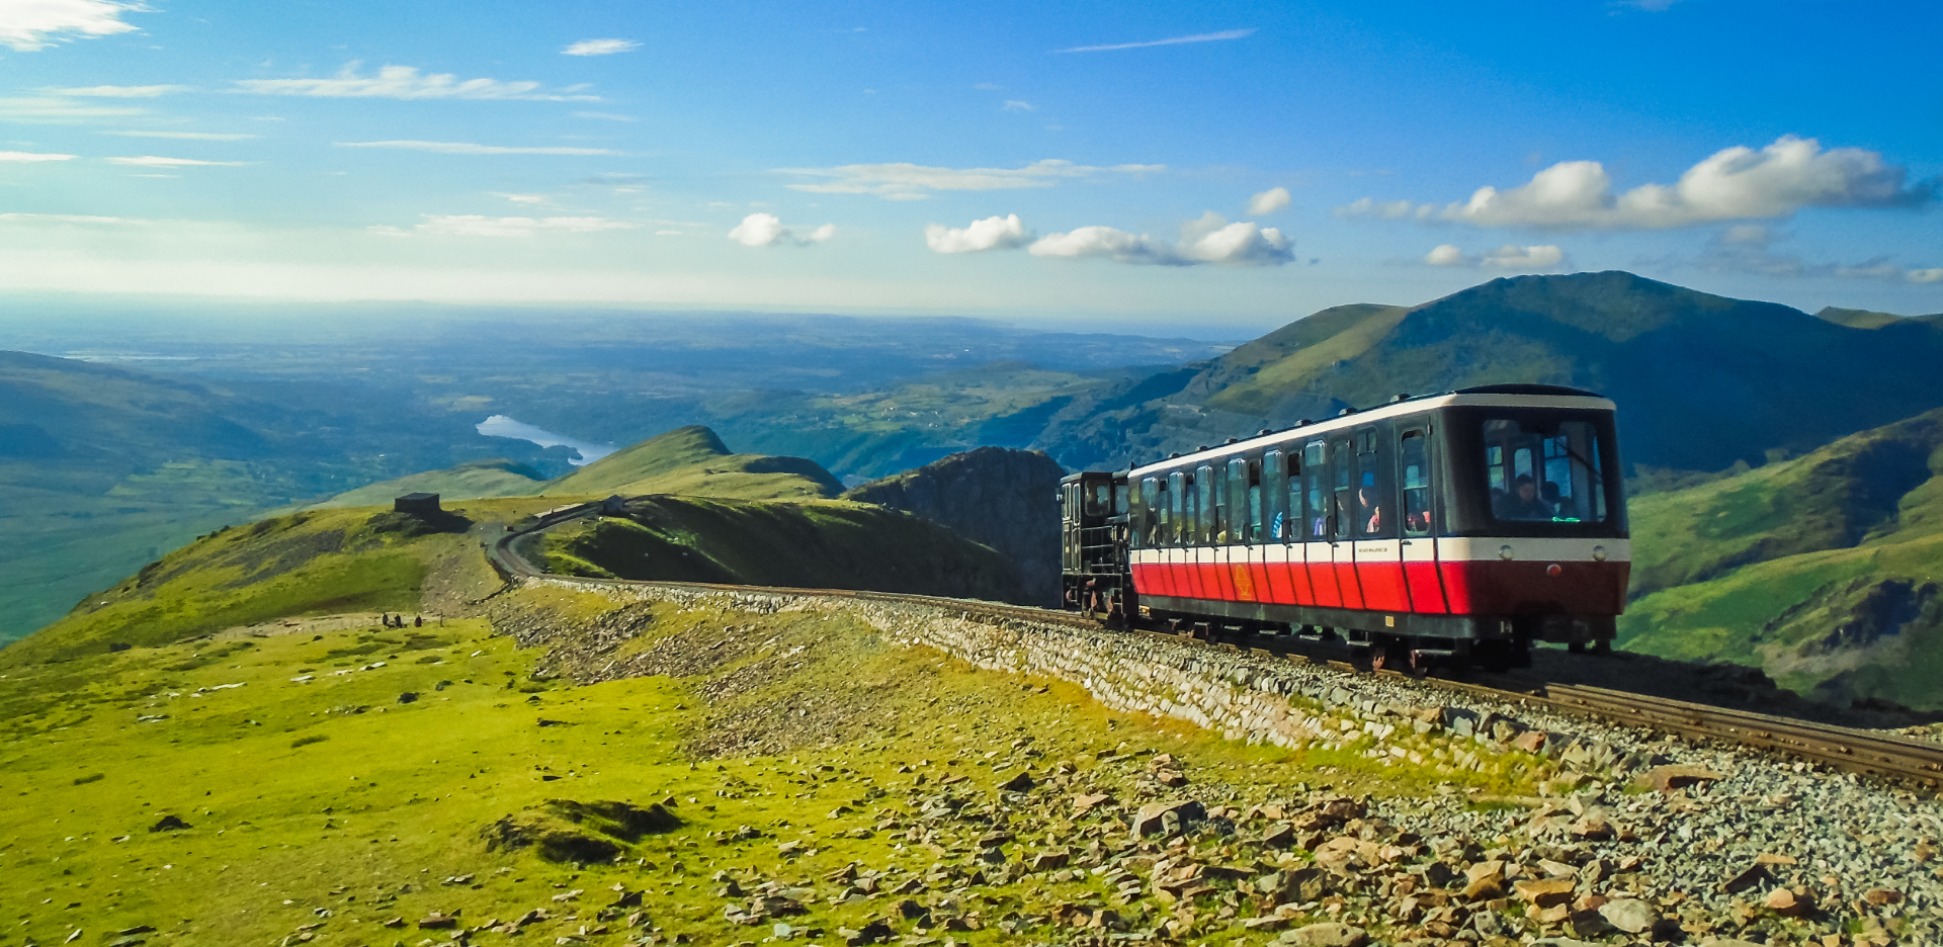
{"points": [[1188, 166]]}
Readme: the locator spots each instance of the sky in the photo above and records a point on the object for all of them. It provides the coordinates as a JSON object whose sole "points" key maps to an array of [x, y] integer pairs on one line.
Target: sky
{"points": [[1194, 168]]}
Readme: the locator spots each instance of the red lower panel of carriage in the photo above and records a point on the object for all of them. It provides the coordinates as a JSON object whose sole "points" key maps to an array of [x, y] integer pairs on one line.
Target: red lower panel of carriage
{"points": [[1485, 587]]}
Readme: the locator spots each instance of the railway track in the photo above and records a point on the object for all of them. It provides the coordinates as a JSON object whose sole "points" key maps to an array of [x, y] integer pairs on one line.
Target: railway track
{"points": [[1906, 760]]}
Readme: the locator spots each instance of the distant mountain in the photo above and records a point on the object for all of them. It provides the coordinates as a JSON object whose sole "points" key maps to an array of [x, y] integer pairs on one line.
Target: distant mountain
{"points": [[1826, 570], [693, 461], [1702, 381], [1870, 319]]}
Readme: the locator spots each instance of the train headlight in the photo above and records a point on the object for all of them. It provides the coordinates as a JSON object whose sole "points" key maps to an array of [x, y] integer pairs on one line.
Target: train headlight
{"points": [[1554, 570], [1598, 554], [1504, 552]]}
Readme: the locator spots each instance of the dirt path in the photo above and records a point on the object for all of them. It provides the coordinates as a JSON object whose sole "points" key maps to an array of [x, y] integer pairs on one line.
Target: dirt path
{"points": [[314, 625]]}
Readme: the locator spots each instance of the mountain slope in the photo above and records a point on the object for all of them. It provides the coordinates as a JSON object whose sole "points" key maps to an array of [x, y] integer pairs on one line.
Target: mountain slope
{"points": [[813, 544], [693, 461], [1001, 498], [1823, 570], [1702, 381]]}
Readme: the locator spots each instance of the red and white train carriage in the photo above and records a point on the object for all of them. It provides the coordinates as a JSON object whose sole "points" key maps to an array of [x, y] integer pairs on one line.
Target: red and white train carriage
{"points": [[1465, 525]]}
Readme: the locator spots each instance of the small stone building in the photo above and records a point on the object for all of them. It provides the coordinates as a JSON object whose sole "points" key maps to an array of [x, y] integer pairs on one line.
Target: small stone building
{"points": [[418, 504]]}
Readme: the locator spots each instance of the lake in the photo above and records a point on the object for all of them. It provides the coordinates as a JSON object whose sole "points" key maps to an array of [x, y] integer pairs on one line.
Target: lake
{"points": [[585, 452]]}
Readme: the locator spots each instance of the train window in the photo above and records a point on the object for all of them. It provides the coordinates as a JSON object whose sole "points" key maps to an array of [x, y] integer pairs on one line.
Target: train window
{"points": [[1277, 491], [1315, 476], [1177, 502], [1415, 456], [1342, 513], [1211, 498], [1376, 515], [1256, 524], [1099, 499], [1553, 474], [1238, 500]]}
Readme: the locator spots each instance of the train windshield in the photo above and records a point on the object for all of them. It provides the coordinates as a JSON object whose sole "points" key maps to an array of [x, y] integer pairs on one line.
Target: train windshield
{"points": [[1545, 470]]}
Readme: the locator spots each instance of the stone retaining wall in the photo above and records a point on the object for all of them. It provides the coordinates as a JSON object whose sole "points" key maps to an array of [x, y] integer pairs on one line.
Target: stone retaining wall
{"points": [[1244, 695]]}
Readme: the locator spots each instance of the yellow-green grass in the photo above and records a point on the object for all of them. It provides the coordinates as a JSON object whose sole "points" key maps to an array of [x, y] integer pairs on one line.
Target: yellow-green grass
{"points": [[330, 797], [692, 461], [1359, 328]]}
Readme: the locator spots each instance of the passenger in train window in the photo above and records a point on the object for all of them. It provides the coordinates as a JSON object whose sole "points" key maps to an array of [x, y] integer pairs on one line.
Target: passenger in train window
{"points": [[1371, 510], [1523, 502], [1548, 493]]}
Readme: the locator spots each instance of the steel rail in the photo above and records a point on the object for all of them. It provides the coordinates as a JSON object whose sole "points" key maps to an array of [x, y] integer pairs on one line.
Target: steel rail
{"points": [[1842, 748]]}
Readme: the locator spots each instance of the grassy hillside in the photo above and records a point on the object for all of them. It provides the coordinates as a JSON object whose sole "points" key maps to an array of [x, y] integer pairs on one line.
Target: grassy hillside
{"points": [[815, 544], [471, 481], [351, 560], [1822, 570], [693, 461]]}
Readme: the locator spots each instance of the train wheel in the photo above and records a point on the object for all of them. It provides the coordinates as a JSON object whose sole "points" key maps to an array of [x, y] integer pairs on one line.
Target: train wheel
{"points": [[1576, 647], [1602, 646]]}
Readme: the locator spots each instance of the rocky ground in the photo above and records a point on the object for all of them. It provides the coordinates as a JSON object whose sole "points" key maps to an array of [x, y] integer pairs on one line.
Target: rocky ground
{"points": [[1619, 836]]}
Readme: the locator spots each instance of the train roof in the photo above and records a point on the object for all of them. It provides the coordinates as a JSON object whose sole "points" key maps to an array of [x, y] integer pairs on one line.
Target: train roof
{"points": [[1484, 396]]}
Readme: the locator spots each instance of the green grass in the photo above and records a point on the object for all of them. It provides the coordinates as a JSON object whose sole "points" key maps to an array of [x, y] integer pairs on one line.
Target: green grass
{"points": [[315, 797], [1761, 568]]}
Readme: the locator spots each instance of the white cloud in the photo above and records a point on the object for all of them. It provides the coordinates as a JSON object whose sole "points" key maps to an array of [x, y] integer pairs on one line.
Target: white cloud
{"points": [[478, 225], [1370, 207], [184, 136], [86, 219], [767, 230], [155, 161], [119, 91], [405, 82], [1211, 239], [1221, 36], [1512, 257], [60, 110], [1508, 257], [1736, 183], [601, 47], [28, 25], [991, 233], [1269, 201], [470, 148], [1018, 105], [910, 182], [31, 157], [522, 198], [1749, 248]]}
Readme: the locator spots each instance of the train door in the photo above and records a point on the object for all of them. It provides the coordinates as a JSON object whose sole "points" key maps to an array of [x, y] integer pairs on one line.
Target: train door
{"points": [[1276, 492], [1319, 562], [1418, 482], [1212, 556], [1244, 520], [1342, 521], [1379, 562], [1177, 568]]}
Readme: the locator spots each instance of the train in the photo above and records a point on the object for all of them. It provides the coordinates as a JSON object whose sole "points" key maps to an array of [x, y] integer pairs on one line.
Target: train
{"points": [[1451, 529]]}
